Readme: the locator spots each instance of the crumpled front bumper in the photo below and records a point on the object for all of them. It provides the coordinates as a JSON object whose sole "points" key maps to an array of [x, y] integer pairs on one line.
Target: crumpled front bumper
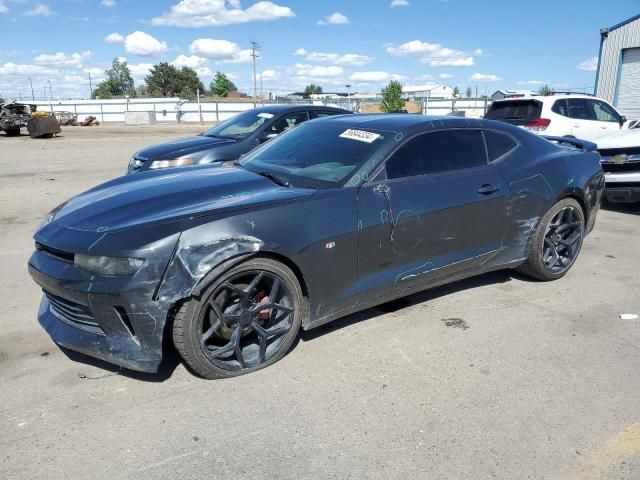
{"points": [[116, 319]]}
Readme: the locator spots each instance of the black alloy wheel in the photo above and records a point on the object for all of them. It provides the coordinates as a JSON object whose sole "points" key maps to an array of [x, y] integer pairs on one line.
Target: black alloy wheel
{"points": [[244, 321]]}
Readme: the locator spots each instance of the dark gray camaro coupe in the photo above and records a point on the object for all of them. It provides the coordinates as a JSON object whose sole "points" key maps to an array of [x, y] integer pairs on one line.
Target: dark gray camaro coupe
{"points": [[334, 216]]}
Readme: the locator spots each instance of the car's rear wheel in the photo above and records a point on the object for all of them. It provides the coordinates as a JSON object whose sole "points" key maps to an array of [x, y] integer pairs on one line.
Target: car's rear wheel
{"points": [[244, 321], [557, 241]]}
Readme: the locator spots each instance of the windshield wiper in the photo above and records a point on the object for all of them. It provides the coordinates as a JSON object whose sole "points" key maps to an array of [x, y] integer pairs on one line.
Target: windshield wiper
{"points": [[283, 182]]}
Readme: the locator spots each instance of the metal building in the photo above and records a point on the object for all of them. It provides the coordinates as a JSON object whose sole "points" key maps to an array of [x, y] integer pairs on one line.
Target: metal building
{"points": [[618, 75]]}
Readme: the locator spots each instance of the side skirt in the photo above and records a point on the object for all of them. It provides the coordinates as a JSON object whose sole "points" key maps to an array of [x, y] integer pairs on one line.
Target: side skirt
{"points": [[456, 277]]}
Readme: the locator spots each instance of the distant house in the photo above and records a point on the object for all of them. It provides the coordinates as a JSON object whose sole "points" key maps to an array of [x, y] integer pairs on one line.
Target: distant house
{"points": [[500, 94], [236, 94], [429, 90]]}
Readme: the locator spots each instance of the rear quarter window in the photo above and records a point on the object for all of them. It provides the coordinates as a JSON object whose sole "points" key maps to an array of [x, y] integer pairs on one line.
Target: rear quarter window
{"points": [[560, 107], [499, 144]]}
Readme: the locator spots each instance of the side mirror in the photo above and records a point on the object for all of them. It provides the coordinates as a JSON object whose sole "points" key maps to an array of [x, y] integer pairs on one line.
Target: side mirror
{"points": [[622, 120], [267, 137]]}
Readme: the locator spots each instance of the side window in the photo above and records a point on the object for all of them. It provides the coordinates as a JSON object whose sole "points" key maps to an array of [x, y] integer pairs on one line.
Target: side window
{"points": [[560, 107], [604, 112], [324, 113], [438, 152], [580, 109], [498, 144], [288, 121]]}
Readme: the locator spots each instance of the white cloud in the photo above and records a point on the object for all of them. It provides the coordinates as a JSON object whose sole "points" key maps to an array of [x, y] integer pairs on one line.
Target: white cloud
{"points": [[94, 71], [39, 10], [192, 61], [268, 75], [483, 77], [143, 44], [375, 76], [15, 69], [304, 70], [212, 13], [532, 82], [444, 76], [346, 59], [62, 59], [3, 7], [114, 37], [139, 70], [434, 54], [109, 3], [220, 50], [336, 18], [590, 65], [399, 3]]}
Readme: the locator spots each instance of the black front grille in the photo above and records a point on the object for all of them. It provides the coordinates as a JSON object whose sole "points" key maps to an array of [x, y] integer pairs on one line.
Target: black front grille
{"points": [[626, 167], [54, 252], [612, 152], [74, 313]]}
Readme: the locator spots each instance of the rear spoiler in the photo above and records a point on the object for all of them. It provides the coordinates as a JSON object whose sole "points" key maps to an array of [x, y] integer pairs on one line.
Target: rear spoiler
{"points": [[575, 142]]}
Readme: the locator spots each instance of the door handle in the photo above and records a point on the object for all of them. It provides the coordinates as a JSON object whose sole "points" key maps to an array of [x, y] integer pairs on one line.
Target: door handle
{"points": [[576, 126], [381, 188], [488, 189]]}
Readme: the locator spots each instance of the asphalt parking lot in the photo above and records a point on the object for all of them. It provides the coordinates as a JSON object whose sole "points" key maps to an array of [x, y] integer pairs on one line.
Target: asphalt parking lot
{"points": [[492, 377]]}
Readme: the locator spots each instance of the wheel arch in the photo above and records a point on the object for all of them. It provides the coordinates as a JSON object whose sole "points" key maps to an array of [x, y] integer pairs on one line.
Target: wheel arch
{"points": [[581, 202]]}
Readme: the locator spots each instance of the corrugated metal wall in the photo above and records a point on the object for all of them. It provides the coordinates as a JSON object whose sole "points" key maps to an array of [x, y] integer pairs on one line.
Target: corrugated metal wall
{"points": [[627, 36]]}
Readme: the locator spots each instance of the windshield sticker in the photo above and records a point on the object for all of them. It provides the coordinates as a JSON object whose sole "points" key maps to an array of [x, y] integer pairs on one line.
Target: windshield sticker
{"points": [[360, 135], [265, 115]]}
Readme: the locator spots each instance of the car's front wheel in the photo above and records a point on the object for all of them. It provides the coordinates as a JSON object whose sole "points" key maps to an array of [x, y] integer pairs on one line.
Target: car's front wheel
{"points": [[245, 320], [557, 241]]}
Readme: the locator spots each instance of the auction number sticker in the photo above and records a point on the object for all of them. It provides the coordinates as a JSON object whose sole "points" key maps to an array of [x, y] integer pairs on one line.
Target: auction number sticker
{"points": [[265, 115], [360, 135]]}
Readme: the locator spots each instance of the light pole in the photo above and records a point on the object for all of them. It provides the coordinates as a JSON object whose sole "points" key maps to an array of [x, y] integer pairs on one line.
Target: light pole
{"points": [[50, 92], [348, 85]]}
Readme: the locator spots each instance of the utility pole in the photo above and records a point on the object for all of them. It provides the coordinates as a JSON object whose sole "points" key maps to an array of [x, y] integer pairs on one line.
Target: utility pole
{"points": [[33, 97], [50, 91], [45, 93], [348, 85], [90, 86], [255, 53]]}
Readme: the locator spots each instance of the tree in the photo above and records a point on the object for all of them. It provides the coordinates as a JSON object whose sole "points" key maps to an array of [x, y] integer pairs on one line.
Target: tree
{"points": [[312, 89], [392, 97], [166, 80], [469, 92], [118, 81], [456, 91], [545, 90], [221, 85]]}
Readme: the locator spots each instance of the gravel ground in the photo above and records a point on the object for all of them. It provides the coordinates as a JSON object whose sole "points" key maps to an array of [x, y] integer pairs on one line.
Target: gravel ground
{"points": [[492, 377]]}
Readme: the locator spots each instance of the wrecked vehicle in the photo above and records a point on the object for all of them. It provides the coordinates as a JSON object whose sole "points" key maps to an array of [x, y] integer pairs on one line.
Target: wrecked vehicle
{"points": [[332, 217], [14, 116], [230, 139], [621, 164]]}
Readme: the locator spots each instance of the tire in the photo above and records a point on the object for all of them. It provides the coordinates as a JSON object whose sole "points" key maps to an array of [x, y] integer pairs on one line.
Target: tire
{"points": [[12, 132], [545, 239], [221, 333]]}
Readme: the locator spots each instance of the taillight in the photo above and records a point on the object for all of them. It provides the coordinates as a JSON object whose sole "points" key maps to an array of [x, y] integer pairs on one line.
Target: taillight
{"points": [[538, 123]]}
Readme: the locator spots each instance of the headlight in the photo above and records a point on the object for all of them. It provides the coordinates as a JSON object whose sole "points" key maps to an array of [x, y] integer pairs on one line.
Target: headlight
{"points": [[115, 266], [50, 216], [177, 162]]}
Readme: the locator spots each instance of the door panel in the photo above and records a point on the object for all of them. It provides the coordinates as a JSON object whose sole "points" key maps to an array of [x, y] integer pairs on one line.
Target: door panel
{"points": [[427, 227]]}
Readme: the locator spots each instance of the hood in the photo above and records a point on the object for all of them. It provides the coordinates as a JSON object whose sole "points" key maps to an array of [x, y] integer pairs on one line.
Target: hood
{"points": [[622, 139], [182, 146], [160, 197]]}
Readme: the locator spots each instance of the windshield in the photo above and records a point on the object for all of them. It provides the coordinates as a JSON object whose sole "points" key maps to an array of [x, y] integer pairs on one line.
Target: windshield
{"points": [[239, 127], [323, 155]]}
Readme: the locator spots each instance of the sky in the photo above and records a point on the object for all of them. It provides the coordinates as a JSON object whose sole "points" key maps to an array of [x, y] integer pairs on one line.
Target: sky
{"points": [[483, 44]]}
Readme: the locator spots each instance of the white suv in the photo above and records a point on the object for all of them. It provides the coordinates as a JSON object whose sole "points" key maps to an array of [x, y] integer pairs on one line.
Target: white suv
{"points": [[560, 115]]}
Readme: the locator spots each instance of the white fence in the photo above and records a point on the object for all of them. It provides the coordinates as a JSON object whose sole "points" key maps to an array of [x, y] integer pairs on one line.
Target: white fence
{"points": [[177, 110]]}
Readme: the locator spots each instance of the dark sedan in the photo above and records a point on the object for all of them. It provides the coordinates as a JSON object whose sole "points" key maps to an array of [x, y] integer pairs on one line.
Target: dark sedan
{"points": [[230, 139], [332, 217]]}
